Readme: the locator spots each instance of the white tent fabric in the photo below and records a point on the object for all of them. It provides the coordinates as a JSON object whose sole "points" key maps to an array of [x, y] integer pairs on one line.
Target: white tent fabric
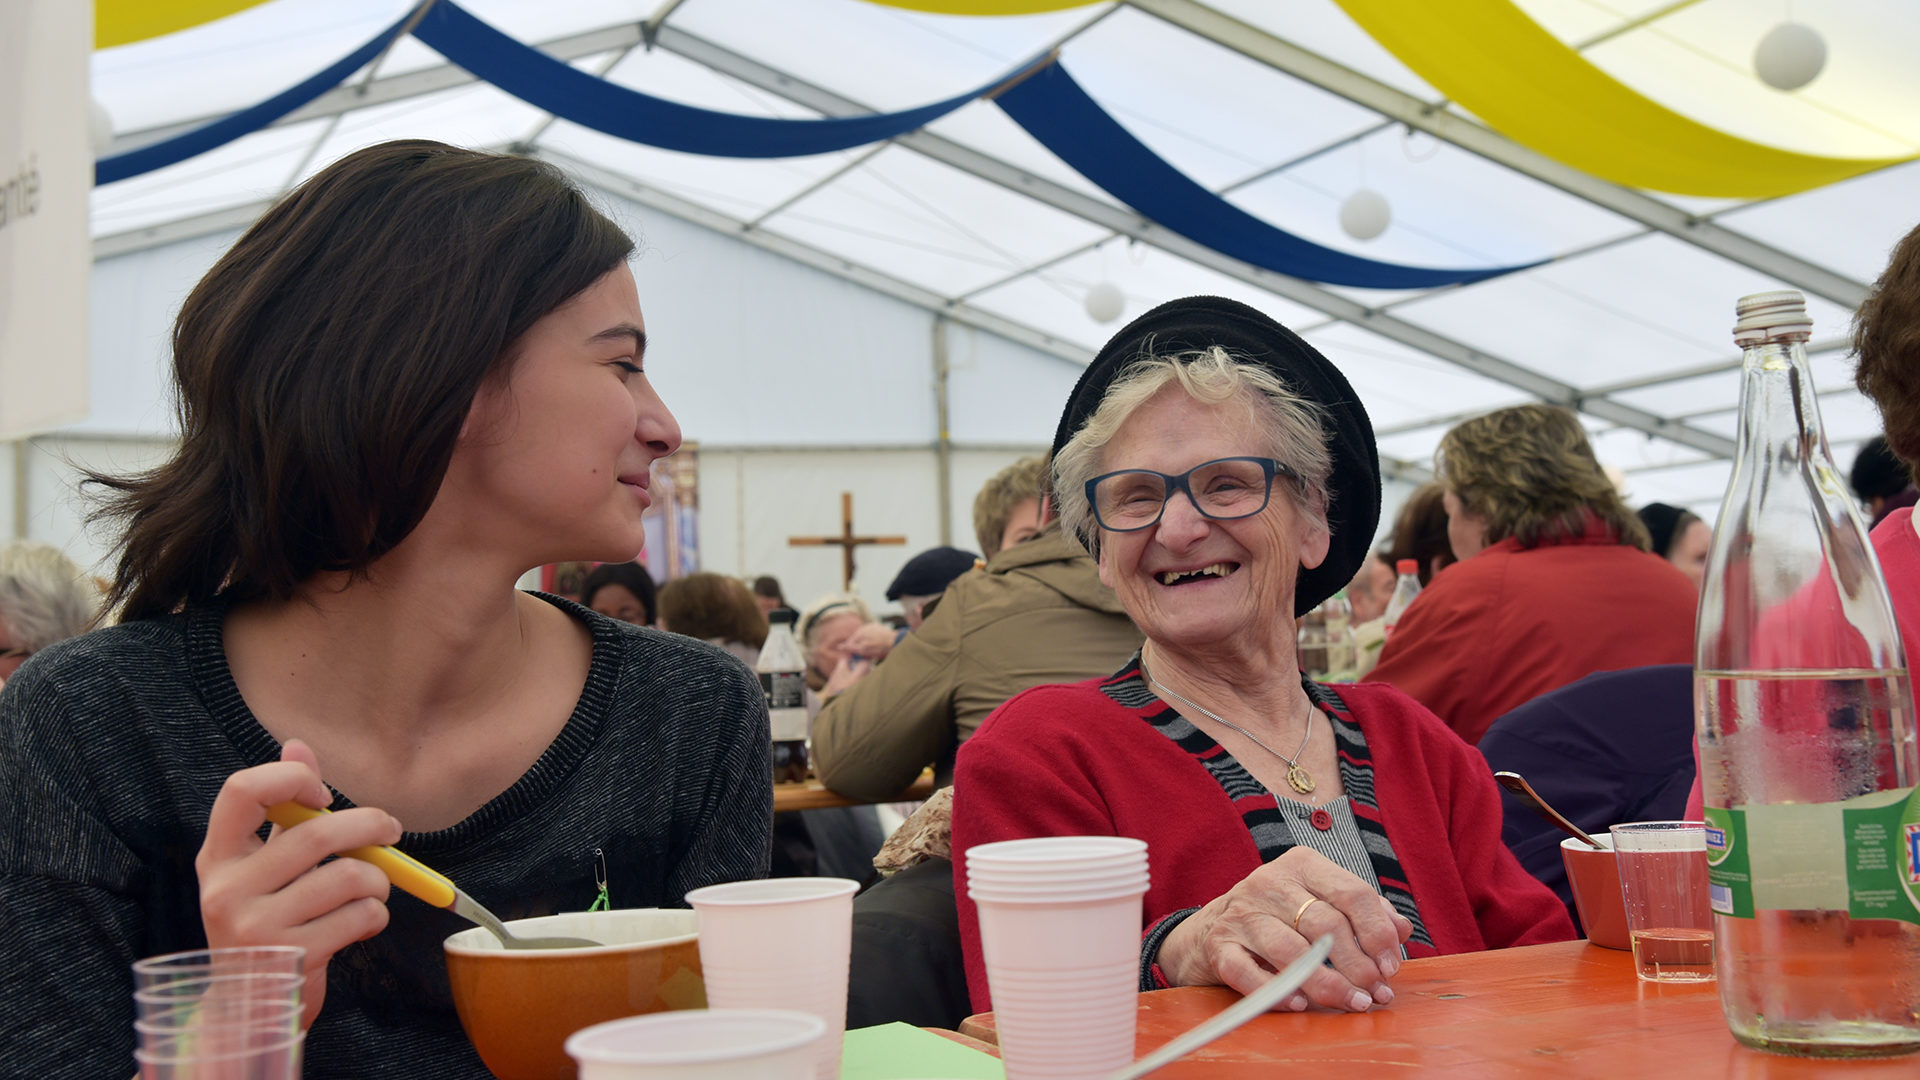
{"points": [[1628, 318]]}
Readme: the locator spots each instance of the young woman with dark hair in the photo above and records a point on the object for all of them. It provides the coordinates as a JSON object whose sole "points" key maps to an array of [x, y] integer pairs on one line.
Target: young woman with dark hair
{"points": [[416, 377]]}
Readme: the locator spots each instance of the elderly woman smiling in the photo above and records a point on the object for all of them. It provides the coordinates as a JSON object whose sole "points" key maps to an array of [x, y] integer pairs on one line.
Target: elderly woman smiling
{"points": [[1224, 474]]}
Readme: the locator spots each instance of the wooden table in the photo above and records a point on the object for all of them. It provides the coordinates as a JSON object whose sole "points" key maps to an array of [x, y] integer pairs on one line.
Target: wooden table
{"points": [[1562, 1011], [813, 795]]}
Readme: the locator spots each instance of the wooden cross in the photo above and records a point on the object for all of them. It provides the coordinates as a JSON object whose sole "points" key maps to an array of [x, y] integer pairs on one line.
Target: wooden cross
{"points": [[846, 541]]}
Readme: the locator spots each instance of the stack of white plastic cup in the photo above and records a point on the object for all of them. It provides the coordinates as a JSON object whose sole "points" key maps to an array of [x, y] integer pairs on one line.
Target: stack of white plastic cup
{"points": [[782, 943], [1060, 929], [700, 1044]]}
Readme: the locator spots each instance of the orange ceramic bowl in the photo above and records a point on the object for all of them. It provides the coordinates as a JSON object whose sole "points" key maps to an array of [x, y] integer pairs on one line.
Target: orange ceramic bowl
{"points": [[1596, 890], [519, 1005]]}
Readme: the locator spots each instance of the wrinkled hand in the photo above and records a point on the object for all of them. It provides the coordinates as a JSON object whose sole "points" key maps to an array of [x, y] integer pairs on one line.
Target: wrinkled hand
{"points": [[850, 670], [1244, 936], [873, 641], [279, 892]]}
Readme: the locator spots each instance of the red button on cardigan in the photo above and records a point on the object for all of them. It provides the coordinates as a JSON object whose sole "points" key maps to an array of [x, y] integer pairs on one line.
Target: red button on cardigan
{"points": [[1321, 820]]}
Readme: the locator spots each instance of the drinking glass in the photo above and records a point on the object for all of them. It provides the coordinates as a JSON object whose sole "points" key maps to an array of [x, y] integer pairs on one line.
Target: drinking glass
{"points": [[1663, 882]]}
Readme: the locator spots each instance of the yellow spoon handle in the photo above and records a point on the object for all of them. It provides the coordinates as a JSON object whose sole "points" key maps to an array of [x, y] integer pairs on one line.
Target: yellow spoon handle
{"points": [[401, 868]]}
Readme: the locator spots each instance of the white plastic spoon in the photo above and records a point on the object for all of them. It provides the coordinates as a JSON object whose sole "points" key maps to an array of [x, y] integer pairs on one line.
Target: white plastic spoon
{"points": [[1261, 1000]]}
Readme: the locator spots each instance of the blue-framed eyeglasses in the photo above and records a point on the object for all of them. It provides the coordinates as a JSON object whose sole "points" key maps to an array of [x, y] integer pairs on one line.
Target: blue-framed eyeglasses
{"points": [[1222, 489]]}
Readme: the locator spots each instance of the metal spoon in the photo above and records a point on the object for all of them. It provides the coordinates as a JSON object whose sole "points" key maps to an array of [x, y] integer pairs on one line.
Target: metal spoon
{"points": [[1238, 1013], [1522, 790], [428, 884]]}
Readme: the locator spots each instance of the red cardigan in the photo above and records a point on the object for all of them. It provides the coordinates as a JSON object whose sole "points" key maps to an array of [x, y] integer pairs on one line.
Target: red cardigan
{"points": [[1071, 761], [1497, 630]]}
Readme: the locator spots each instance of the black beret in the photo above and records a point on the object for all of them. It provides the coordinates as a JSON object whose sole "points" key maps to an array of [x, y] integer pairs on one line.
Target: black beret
{"points": [[1200, 322], [930, 572]]}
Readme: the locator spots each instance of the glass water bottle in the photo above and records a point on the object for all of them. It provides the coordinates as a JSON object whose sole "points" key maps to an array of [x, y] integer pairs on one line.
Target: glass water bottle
{"points": [[1805, 722]]}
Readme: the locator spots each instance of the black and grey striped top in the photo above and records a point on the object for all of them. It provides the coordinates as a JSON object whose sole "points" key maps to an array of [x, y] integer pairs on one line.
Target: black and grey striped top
{"points": [[113, 745]]}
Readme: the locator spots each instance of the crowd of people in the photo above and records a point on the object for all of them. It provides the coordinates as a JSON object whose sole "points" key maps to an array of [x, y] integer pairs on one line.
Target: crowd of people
{"points": [[315, 601]]}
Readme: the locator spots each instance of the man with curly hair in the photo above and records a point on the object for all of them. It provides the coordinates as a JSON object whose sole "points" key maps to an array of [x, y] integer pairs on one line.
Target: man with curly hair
{"points": [[1886, 340]]}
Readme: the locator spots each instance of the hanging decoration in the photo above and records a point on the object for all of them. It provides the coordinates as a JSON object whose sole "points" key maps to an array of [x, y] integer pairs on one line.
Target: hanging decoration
{"points": [[1495, 62], [1054, 109], [1365, 214], [1105, 302], [217, 133], [123, 22], [567, 92], [985, 7], [1790, 56], [1040, 96]]}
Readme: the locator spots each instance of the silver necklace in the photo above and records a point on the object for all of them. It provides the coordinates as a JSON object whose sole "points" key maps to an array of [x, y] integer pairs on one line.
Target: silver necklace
{"points": [[1298, 778]]}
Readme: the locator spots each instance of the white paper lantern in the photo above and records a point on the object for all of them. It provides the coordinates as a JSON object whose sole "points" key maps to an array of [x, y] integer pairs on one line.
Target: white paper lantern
{"points": [[1365, 214], [1790, 56], [1105, 302], [101, 128]]}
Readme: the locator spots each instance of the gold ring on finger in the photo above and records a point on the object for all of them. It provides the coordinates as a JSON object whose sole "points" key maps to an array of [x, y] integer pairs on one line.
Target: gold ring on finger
{"points": [[1311, 900]]}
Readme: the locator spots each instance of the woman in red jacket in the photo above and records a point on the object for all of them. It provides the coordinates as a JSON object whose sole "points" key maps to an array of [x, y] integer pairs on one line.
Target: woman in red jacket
{"points": [[1554, 581], [1224, 474]]}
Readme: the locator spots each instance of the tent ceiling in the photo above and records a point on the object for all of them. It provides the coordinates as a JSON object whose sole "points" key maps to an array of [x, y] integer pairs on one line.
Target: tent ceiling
{"points": [[1283, 108]]}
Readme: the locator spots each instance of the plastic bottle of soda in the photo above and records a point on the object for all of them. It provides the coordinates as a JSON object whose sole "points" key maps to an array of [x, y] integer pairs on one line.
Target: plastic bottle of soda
{"points": [[1404, 591], [1804, 716], [782, 671]]}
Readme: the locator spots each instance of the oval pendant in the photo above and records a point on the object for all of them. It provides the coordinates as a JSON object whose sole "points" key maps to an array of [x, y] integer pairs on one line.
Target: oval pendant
{"points": [[1299, 779]]}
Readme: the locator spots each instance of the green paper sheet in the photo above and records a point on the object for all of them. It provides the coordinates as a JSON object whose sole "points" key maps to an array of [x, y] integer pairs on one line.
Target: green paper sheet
{"points": [[904, 1052]]}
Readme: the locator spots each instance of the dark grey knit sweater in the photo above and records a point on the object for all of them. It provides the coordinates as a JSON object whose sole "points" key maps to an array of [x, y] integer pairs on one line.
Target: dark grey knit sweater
{"points": [[113, 745]]}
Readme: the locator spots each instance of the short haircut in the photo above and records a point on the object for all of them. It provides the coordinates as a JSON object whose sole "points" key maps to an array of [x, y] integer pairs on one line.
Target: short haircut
{"points": [[993, 507], [1877, 471], [1886, 341], [1294, 428], [44, 597], [326, 363], [768, 586], [1420, 533], [630, 576], [712, 607], [1530, 472]]}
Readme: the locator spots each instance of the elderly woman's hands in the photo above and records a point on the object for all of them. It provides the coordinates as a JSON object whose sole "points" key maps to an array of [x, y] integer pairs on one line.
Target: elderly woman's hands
{"points": [[281, 892], [1268, 919]]}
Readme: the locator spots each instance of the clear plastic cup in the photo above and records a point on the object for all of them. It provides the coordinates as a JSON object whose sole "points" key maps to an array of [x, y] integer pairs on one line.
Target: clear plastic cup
{"points": [[231, 1014], [1663, 884], [220, 1053], [710, 1044], [781, 943]]}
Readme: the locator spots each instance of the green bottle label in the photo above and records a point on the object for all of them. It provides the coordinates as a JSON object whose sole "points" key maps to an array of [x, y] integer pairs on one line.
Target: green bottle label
{"points": [[1861, 856]]}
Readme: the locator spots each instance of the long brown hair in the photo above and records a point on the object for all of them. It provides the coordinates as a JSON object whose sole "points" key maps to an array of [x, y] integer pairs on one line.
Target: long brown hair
{"points": [[1530, 472], [326, 363]]}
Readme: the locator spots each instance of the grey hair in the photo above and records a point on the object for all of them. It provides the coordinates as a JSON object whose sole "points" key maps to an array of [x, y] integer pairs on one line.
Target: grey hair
{"points": [[831, 604], [1295, 428], [44, 596]]}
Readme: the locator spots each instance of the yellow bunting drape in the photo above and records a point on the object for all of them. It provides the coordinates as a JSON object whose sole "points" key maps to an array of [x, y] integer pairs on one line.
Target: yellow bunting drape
{"points": [[121, 22], [986, 7], [1488, 56]]}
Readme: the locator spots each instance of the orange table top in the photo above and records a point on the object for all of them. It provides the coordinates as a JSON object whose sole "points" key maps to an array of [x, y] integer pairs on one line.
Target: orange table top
{"points": [[1565, 1010]]}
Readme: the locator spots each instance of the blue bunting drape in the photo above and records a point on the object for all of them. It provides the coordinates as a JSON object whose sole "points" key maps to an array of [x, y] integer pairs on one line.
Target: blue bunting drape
{"points": [[1055, 110], [567, 92], [218, 133], [1040, 96]]}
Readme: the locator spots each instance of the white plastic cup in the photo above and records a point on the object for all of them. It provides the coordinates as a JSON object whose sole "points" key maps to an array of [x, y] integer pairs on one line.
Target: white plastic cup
{"points": [[1062, 949], [781, 943], [710, 1044]]}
